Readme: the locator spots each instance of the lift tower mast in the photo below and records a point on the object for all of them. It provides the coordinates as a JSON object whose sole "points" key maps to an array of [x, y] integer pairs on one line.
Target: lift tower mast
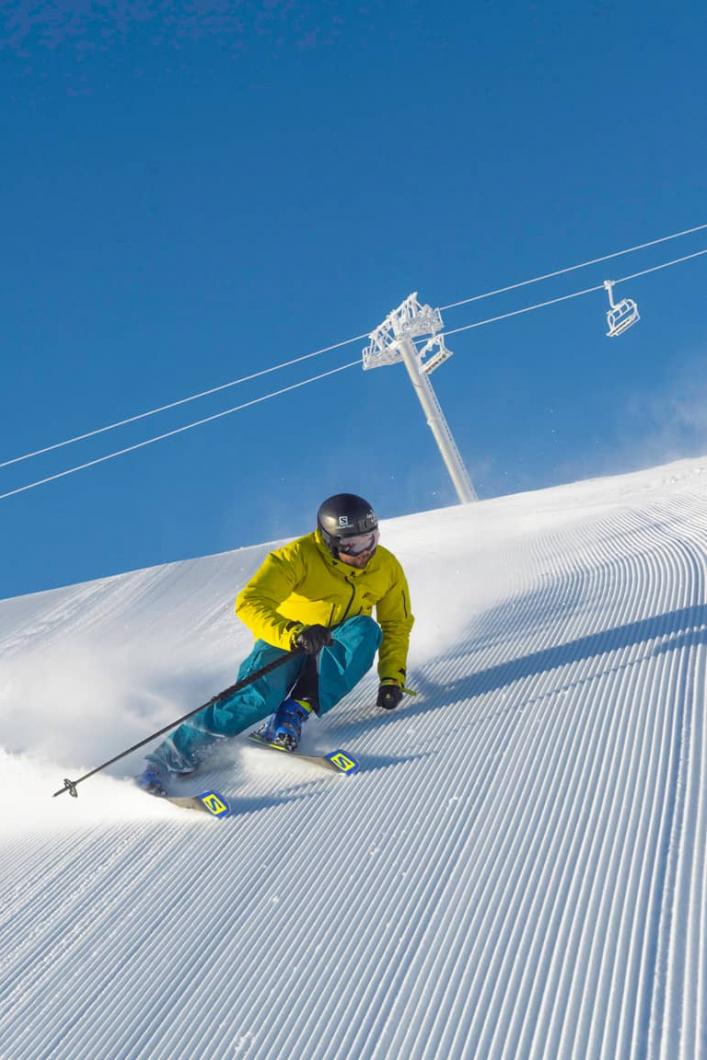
{"points": [[392, 341]]}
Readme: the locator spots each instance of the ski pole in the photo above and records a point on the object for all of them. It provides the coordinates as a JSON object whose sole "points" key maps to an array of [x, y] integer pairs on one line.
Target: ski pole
{"points": [[70, 785]]}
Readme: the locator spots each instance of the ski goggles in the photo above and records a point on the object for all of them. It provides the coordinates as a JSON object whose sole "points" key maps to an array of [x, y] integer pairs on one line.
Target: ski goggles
{"points": [[355, 545]]}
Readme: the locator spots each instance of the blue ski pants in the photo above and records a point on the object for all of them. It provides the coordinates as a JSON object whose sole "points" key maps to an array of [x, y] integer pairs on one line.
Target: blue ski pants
{"points": [[340, 666]]}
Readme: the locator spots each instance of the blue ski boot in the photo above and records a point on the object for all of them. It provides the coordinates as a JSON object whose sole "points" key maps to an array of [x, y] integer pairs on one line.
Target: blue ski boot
{"points": [[284, 728], [153, 779]]}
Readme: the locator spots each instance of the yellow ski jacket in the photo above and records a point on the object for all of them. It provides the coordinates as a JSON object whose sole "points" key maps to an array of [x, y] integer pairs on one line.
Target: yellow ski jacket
{"points": [[302, 584]]}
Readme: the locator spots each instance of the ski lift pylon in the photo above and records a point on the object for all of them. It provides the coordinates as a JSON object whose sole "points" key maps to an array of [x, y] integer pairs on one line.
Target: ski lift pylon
{"points": [[621, 314]]}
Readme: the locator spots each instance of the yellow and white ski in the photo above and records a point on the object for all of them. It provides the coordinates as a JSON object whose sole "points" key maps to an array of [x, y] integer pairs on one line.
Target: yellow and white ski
{"points": [[338, 761]]}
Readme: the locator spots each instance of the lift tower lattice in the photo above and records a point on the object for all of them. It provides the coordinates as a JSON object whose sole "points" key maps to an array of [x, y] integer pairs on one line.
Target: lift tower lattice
{"points": [[392, 341]]}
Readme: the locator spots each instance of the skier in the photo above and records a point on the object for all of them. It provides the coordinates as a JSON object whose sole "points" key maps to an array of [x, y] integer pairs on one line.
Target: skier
{"points": [[313, 598]]}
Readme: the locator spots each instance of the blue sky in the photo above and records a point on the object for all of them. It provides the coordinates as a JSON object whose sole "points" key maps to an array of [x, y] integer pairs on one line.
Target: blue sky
{"points": [[190, 192]]}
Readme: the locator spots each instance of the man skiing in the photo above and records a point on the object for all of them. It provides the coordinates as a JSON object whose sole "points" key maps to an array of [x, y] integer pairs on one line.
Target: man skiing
{"points": [[311, 600]]}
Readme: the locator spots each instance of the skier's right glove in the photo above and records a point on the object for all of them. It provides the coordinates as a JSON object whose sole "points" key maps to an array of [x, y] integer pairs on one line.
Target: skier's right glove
{"points": [[312, 639], [389, 696]]}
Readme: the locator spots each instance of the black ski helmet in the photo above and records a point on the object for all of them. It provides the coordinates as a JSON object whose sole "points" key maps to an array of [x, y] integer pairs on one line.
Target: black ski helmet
{"points": [[344, 515]]}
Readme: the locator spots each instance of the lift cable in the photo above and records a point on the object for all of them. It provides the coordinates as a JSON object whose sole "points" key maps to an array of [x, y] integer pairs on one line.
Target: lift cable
{"points": [[178, 430], [365, 335]]}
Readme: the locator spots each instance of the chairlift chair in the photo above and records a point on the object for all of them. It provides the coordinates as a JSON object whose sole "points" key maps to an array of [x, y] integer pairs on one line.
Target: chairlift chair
{"points": [[622, 314]]}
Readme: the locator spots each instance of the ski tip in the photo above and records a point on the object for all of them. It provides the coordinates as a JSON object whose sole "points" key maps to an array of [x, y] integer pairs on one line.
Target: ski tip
{"points": [[214, 803], [343, 762]]}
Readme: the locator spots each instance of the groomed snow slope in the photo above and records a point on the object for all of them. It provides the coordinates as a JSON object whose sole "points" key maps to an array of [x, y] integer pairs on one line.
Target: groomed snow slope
{"points": [[518, 872]]}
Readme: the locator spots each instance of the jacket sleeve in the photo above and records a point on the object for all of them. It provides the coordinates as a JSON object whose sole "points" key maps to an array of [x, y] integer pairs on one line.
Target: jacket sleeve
{"points": [[258, 601], [396, 620]]}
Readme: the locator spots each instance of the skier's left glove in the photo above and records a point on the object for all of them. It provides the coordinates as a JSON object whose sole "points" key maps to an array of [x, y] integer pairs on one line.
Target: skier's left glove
{"points": [[389, 696]]}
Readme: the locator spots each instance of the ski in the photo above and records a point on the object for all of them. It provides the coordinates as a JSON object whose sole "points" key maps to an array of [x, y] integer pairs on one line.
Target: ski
{"points": [[338, 761], [212, 802]]}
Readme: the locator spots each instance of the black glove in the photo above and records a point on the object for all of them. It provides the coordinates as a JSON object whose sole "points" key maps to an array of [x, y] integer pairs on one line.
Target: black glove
{"points": [[389, 696], [312, 639]]}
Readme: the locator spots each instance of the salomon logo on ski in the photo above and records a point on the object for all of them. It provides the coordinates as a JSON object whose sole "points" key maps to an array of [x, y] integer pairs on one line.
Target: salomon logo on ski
{"points": [[214, 803], [343, 762]]}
